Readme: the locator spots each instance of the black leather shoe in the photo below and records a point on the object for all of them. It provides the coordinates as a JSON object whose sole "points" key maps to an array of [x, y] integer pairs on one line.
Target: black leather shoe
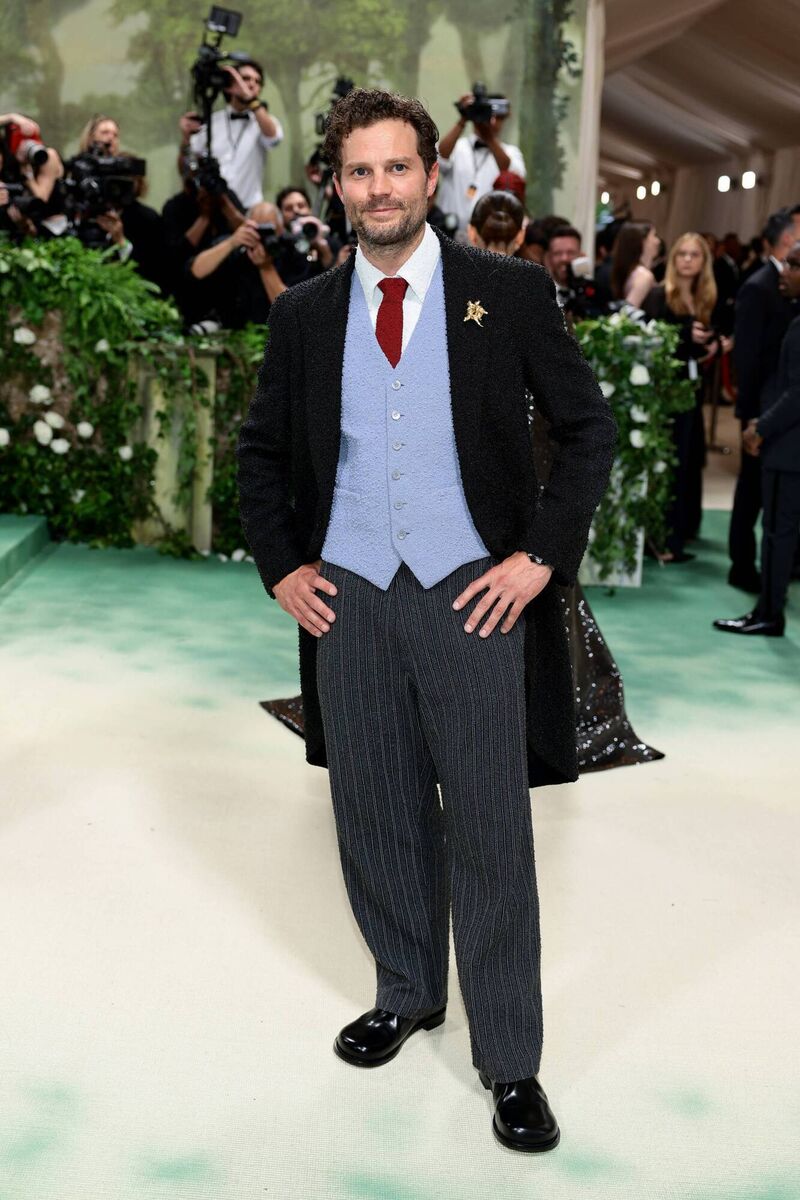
{"points": [[746, 580], [523, 1119], [377, 1036], [752, 623]]}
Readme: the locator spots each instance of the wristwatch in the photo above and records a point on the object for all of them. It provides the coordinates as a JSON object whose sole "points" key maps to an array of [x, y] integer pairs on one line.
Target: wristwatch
{"points": [[256, 104]]}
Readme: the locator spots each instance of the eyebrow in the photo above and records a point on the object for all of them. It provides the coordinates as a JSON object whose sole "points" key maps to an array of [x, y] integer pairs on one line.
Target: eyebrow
{"points": [[389, 161]]}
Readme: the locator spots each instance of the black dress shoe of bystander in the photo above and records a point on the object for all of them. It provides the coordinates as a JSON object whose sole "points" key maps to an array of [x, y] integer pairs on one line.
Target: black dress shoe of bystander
{"points": [[751, 623], [376, 1036], [523, 1119]]}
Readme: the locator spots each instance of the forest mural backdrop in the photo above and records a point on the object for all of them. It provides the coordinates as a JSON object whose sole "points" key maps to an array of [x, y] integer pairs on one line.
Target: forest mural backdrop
{"points": [[62, 60]]}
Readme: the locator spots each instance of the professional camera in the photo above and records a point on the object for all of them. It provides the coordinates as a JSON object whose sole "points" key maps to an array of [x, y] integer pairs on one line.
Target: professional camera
{"points": [[341, 88], [95, 182], [447, 222], [583, 295], [30, 150], [277, 245], [483, 106], [210, 76], [202, 171]]}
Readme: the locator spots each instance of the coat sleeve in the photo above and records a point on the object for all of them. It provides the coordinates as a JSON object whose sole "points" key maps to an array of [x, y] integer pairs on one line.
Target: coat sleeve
{"points": [[751, 312], [785, 412], [582, 427], [264, 457]]}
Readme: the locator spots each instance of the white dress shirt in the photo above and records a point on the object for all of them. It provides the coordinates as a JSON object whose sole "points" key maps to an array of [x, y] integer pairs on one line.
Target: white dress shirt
{"points": [[417, 271], [467, 167], [240, 148]]}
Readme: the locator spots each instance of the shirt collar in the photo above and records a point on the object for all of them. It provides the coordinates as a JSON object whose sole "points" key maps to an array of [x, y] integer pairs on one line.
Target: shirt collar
{"points": [[777, 264], [417, 270]]}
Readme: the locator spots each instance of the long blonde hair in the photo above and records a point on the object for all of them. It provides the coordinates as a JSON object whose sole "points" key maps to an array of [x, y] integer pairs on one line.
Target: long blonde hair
{"points": [[704, 287], [88, 131]]}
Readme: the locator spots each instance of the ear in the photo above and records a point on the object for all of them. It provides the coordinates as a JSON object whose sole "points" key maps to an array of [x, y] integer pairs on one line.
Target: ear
{"points": [[472, 234], [338, 187], [433, 179]]}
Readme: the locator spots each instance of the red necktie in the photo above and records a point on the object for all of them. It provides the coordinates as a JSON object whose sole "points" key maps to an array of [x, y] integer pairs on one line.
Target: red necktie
{"points": [[389, 327]]}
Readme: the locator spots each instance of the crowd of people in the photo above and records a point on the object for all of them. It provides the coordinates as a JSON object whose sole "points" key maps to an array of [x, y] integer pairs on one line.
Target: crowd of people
{"points": [[223, 253]]}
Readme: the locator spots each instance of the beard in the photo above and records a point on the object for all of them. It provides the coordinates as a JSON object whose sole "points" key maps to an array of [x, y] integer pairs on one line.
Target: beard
{"points": [[410, 219]]}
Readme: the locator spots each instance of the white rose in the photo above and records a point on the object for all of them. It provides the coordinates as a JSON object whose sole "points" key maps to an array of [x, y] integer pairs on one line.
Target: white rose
{"points": [[639, 414], [54, 420], [42, 432], [238, 555], [125, 453], [639, 374], [249, 558], [102, 346], [222, 557], [5, 437], [24, 336], [39, 394], [660, 467], [607, 388], [205, 553], [636, 438], [60, 445], [615, 318], [85, 429], [78, 495]]}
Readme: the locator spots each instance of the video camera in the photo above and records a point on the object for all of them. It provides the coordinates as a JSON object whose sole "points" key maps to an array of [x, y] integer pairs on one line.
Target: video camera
{"points": [[210, 76], [483, 106], [96, 181], [341, 88]]}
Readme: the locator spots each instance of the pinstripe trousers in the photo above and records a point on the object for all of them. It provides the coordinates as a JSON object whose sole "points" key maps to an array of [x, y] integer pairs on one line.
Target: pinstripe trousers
{"points": [[409, 700]]}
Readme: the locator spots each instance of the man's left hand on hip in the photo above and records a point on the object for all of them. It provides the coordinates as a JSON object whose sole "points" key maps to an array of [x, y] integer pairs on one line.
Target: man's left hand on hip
{"points": [[514, 582]]}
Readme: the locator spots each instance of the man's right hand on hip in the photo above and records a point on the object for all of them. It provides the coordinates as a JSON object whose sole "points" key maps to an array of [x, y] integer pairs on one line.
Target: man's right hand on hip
{"points": [[297, 594]]}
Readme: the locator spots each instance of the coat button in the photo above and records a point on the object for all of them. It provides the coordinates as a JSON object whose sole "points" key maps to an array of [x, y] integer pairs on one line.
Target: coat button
{"points": [[401, 533], [396, 385], [396, 474], [396, 415], [399, 503], [396, 445]]}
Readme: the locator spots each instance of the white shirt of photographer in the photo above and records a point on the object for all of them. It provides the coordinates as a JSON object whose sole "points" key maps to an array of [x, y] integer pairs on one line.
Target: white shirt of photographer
{"points": [[241, 149], [467, 166]]}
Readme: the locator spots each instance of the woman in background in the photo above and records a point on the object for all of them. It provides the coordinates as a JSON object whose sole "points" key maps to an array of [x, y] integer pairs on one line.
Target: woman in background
{"points": [[635, 251], [687, 299]]}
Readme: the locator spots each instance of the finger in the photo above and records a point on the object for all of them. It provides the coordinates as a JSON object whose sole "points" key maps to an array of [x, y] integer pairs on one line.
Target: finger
{"points": [[494, 616], [324, 585], [319, 606], [310, 619], [471, 590], [511, 616], [480, 610]]}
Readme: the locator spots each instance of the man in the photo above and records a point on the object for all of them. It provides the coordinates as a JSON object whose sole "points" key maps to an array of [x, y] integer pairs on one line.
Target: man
{"points": [[294, 206], [468, 166], [242, 133], [775, 438], [563, 247], [245, 276], [385, 463], [762, 316]]}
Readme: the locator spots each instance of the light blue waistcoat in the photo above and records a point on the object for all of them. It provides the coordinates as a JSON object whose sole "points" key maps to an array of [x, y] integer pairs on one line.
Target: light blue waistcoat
{"points": [[398, 495]]}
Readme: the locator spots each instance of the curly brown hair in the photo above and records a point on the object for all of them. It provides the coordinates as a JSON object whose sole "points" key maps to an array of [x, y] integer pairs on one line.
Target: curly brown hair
{"points": [[363, 107]]}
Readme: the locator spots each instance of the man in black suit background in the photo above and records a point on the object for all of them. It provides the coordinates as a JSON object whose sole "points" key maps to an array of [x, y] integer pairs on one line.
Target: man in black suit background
{"points": [[762, 317], [392, 714], [774, 438]]}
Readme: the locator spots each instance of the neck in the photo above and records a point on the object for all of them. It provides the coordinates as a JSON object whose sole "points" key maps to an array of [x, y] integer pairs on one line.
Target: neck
{"points": [[390, 259], [238, 104], [685, 287]]}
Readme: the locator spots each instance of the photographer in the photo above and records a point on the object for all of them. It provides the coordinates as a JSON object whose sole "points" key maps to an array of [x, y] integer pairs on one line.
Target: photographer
{"points": [[34, 166], [242, 133], [202, 213], [469, 165], [295, 209], [246, 279], [563, 247]]}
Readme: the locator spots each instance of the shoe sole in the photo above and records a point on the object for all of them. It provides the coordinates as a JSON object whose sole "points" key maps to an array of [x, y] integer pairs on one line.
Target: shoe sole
{"points": [[509, 1143], [432, 1022]]}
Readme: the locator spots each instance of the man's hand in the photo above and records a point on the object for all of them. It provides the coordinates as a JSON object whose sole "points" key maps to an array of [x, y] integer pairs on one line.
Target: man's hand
{"points": [[751, 439], [515, 582], [296, 594], [246, 235], [245, 89], [189, 123], [111, 223]]}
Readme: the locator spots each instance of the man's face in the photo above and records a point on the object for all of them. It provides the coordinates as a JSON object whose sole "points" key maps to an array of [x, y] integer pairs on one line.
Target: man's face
{"points": [[789, 281], [558, 256], [294, 205], [383, 184]]}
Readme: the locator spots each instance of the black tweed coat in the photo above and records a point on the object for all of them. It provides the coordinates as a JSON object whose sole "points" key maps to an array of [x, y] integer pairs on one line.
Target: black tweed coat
{"points": [[288, 453]]}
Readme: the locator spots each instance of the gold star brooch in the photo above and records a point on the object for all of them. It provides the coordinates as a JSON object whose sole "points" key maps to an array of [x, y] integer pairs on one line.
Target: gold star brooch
{"points": [[475, 311]]}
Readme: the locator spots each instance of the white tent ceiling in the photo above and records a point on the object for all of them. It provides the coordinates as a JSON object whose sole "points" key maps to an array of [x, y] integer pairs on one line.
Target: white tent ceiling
{"points": [[690, 82]]}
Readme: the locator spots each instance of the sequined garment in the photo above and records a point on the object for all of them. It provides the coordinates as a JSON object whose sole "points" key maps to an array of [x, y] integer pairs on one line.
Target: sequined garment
{"points": [[604, 735]]}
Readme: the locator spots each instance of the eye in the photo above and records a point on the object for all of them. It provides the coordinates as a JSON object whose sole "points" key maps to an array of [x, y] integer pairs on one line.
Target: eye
{"points": [[400, 166], [357, 169]]}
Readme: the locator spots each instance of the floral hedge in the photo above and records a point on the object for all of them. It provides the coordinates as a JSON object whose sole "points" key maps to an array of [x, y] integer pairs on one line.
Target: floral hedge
{"points": [[71, 325]]}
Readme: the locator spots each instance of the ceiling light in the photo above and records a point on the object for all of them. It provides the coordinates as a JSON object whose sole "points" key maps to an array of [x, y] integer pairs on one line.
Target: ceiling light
{"points": [[604, 197], [641, 192], [655, 188], [748, 179], [724, 183]]}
